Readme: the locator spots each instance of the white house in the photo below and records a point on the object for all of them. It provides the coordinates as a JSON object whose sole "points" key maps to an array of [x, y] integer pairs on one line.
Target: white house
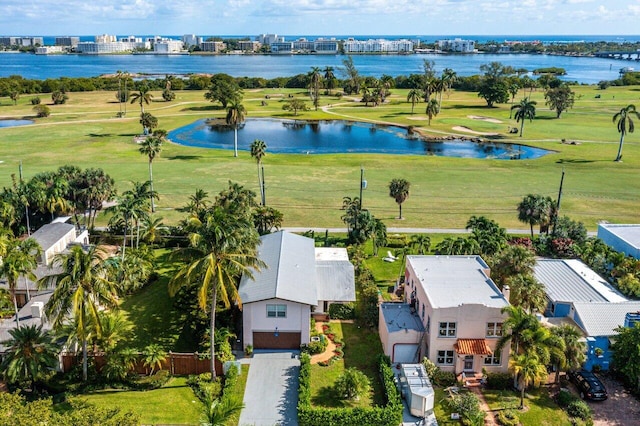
{"points": [[297, 279], [459, 307]]}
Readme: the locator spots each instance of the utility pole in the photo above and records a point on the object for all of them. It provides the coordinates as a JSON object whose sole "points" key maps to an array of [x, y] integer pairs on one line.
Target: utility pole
{"points": [[555, 216], [264, 195], [363, 184], [26, 205]]}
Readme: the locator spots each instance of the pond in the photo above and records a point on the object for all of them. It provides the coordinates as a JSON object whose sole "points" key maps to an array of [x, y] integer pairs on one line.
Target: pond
{"points": [[13, 123], [336, 136]]}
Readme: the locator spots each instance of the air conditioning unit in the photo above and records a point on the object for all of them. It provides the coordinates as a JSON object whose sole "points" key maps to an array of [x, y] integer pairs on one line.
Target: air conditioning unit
{"points": [[37, 309]]}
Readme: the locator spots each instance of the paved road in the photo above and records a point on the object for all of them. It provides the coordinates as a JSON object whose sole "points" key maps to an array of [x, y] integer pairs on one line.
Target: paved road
{"points": [[271, 394], [417, 230]]}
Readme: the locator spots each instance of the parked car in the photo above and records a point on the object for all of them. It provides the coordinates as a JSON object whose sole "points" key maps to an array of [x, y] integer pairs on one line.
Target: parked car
{"points": [[589, 386]]}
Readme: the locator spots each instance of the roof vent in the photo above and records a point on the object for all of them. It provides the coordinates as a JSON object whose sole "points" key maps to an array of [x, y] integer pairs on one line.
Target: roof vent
{"points": [[37, 309]]}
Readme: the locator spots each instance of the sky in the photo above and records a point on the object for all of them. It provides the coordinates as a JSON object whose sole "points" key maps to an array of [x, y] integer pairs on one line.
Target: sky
{"points": [[320, 17]]}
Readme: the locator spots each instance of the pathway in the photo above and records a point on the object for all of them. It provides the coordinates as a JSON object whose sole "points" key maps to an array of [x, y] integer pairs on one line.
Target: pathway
{"points": [[328, 352], [489, 419], [271, 392]]}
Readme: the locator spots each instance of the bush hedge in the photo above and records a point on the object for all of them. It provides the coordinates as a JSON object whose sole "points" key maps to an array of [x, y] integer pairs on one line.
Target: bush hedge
{"points": [[579, 409], [155, 381], [390, 414], [202, 385], [341, 311], [508, 418], [499, 381]]}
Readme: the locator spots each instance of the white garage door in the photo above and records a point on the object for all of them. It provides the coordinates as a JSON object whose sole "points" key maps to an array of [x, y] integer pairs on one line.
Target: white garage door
{"points": [[406, 354]]}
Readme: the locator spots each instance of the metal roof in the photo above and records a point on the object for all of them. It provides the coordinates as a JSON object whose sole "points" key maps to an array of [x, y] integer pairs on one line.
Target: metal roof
{"points": [[25, 319], [49, 234], [398, 316], [602, 318], [451, 281], [335, 280], [289, 272], [570, 280], [417, 379]]}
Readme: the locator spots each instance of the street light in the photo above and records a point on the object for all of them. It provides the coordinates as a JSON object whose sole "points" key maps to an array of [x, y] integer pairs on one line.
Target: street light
{"points": [[363, 184]]}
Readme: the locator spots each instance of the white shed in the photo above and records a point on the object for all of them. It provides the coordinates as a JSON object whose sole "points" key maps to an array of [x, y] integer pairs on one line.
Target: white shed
{"points": [[417, 390]]}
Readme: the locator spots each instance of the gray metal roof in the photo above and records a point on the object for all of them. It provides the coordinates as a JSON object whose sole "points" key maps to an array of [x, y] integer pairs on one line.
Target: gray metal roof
{"points": [[289, 272], [602, 318], [335, 280], [451, 281], [398, 316], [572, 281], [39, 272], [25, 319], [51, 233]]}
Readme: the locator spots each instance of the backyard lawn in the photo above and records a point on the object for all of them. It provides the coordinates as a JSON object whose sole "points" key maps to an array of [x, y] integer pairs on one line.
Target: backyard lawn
{"points": [[174, 403], [541, 409]]}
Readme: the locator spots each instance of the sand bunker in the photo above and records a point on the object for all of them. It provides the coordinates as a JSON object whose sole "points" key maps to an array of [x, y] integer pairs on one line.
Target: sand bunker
{"points": [[487, 119], [417, 118], [468, 130]]}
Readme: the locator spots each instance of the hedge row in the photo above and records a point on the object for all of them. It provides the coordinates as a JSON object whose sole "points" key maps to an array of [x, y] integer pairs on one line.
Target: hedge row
{"points": [[390, 414]]}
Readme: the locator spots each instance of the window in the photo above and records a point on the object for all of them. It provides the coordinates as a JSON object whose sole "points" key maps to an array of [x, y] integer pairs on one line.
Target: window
{"points": [[429, 324], [445, 357], [494, 329], [276, 311], [423, 312], [492, 359], [447, 329]]}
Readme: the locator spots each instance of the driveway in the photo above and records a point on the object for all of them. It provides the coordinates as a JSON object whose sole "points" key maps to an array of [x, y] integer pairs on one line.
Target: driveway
{"points": [[620, 409], [271, 394]]}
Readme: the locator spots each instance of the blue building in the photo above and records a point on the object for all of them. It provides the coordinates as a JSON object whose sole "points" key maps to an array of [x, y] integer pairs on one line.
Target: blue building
{"points": [[579, 296], [623, 238]]}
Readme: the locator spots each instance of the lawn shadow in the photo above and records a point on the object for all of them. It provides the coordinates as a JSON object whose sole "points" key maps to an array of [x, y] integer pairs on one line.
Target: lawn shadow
{"points": [[575, 161], [184, 157], [204, 108], [327, 397], [96, 135]]}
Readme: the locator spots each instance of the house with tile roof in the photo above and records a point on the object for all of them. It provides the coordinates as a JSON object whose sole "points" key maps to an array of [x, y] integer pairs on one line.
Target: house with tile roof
{"points": [[297, 279], [453, 316], [579, 296]]}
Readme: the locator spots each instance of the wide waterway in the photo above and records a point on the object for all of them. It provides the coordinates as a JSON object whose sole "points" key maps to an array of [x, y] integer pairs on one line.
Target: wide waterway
{"points": [[581, 69]]}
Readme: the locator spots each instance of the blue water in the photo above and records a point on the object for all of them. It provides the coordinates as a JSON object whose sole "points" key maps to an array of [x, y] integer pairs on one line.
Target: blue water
{"points": [[332, 137], [13, 123]]}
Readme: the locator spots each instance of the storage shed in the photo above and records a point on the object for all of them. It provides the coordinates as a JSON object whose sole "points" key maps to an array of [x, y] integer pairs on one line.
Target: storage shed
{"points": [[416, 389]]}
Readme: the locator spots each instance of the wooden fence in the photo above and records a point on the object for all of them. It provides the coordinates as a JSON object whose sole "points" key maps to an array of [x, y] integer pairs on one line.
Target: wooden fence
{"points": [[178, 364]]}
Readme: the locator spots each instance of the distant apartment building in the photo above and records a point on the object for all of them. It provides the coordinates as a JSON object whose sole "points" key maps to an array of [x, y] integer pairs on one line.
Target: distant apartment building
{"points": [[213, 46], [167, 47], [7, 41], [21, 41], [67, 41], [378, 46], [249, 45], [105, 38], [302, 44], [269, 39], [131, 39], [283, 47], [457, 45], [95, 48], [329, 46], [191, 40], [48, 50]]}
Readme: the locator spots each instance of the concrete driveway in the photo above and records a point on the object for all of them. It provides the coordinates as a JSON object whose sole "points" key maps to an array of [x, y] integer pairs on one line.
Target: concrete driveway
{"points": [[271, 394]]}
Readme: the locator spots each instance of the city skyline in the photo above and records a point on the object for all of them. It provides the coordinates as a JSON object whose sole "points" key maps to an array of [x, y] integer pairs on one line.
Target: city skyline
{"points": [[321, 17]]}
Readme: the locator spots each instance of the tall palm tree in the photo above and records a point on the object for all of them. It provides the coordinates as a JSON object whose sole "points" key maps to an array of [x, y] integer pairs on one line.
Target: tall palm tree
{"points": [[399, 190], [574, 348], [511, 261], [19, 258], [30, 354], [414, 97], [421, 243], [143, 96], [448, 77], [529, 370], [527, 292], [624, 122], [525, 109], [80, 290], [315, 81], [530, 210], [329, 78], [432, 110], [514, 326], [236, 114], [151, 147], [258, 151], [378, 235], [221, 247]]}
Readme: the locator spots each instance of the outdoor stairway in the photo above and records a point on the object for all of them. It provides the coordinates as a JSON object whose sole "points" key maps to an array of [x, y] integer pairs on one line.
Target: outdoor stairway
{"points": [[470, 380]]}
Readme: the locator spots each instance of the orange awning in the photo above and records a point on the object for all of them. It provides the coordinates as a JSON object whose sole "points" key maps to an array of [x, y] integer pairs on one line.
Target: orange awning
{"points": [[472, 347]]}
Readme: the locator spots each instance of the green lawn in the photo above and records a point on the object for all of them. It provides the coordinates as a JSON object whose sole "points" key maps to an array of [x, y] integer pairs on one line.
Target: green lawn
{"points": [[238, 391], [361, 348], [174, 403], [542, 410], [309, 189], [155, 319]]}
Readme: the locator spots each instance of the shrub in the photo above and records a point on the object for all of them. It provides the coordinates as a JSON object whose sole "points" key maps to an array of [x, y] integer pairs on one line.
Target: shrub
{"points": [[35, 100], [499, 381], [202, 385], [314, 347], [352, 384], [42, 111], [564, 398], [342, 311], [155, 381], [444, 378], [579, 409], [508, 418], [468, 405]]}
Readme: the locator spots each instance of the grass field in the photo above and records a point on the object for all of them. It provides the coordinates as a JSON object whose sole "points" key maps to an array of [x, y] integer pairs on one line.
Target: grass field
{"points": [[173, 403], [309, 189], [541, 409]]}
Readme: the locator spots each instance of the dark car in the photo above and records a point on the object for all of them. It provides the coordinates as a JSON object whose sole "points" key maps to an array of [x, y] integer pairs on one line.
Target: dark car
{"points": [[589, 386]]}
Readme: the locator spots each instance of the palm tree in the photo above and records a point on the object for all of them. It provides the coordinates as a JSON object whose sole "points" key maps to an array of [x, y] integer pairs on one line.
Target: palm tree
{"points": [[143, 96], [574, 348], [115, 328], [414, 97], [525, 109], [529, 210], [315, 78], [151, 147], [433, 108], [148, 122], [154, 229], [258, 151], [221, 247], [80, 290], [624, 122], [527, 292], [19, 258], [153, 357], [421, 243], [236, 114], [217, 412], [399, 190], [29, 356], [514, 326], [378, 234], [511, 261], [529, 370], [329, 78], [448, 77]]}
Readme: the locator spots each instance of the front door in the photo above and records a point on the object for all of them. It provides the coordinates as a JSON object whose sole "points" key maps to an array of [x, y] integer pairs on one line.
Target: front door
{"points": [[468, 363]]}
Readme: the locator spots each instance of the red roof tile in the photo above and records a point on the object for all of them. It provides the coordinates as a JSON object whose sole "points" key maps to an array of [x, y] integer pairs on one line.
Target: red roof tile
{"points": [[472, 347]]}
